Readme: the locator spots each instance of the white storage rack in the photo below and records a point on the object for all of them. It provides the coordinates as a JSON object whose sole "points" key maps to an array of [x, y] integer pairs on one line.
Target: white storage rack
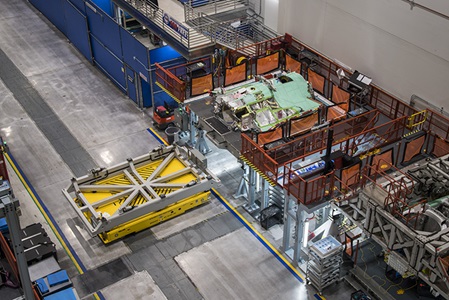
{"points": [[325, 260]]}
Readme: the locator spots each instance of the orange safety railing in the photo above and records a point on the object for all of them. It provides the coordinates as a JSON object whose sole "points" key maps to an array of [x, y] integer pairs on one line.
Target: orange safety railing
{"points": [[317, 140], [170, 83], [256, 49], [388, 104], [377, 136], [3, 170], [397, 189], [301, 148], [10, 258], [436, 124], [254, 154], [342, 191], [308, 191]]}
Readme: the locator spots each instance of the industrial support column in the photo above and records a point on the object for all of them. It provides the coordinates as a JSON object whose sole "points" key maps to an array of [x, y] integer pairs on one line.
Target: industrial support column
{"points": [[301, 237], [8, 209], [264, 202], [242, 190], [251, 196], [290, 207]]}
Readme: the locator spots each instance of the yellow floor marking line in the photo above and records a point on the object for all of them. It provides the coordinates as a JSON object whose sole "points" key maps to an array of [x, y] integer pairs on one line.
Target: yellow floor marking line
{"points": [[157, 136]]}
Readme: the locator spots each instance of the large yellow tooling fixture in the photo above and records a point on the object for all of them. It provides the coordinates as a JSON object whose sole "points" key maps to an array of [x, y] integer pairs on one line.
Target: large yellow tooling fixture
{"points": [[140, 192]]}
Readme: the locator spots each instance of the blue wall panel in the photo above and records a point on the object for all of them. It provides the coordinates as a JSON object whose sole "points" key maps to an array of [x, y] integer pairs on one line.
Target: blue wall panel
{"points": [[79, 4], [77, 29], [163, 54], [146, 93], [131, 82], [52, 9], [108, 63], [134, 53], [105, 6], [104, 28]]}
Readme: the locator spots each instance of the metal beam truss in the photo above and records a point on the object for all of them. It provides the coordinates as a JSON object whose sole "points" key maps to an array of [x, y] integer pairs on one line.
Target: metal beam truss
{"points": [[9, 209], [143, 187], [423, 253]]}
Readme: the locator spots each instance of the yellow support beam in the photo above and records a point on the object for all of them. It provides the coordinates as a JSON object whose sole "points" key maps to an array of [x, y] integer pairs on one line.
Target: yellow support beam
{"points": [[154, 218]]}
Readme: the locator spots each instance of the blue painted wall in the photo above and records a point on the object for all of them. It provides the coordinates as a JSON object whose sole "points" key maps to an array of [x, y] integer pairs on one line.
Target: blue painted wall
{"points": [[89, 25], [105, 6]]}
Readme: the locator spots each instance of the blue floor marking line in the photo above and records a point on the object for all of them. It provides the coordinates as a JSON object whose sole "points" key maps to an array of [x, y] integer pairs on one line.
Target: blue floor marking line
{"points": [[100, 295], [156, 136], [257, 236], [78, 260]]}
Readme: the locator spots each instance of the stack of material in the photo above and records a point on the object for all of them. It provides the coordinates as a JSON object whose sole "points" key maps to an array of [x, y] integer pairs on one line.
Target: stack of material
{"points": [[325, 259]]}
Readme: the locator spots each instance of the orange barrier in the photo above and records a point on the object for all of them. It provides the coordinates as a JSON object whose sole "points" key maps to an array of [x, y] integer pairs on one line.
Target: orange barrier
{"points": [[302, 125], [292, 64], [397, 190], [235, 74], [310, 190], [413, 148], [269, 136], [254, 154], [348, 175], [386, 158], [201, 85], [317, 140], [441, 147], [316, 80], [267, 64], [340, 97], [335, 113]]}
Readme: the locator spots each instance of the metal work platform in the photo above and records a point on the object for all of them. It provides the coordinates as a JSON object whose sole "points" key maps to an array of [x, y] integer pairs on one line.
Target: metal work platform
{"points": [[140, 192]]}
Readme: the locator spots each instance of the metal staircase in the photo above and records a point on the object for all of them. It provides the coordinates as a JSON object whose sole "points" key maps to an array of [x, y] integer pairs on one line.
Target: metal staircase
{"points": [[276, 196]]}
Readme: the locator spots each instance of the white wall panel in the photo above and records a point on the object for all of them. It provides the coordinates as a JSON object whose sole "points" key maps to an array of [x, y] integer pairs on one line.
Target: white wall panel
{"points": [[271, 13], [405, 51]]}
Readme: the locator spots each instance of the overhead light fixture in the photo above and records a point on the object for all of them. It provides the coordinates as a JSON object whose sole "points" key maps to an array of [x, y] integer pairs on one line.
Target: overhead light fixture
{"points": [[341, 74]]}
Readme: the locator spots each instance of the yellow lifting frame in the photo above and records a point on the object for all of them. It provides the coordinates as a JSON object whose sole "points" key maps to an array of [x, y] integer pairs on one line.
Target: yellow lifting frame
{"points": [[141, 192]]}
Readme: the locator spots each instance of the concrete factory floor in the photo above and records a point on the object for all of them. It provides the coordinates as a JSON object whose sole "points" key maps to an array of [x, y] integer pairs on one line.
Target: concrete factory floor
{"points": [[61, 117]]}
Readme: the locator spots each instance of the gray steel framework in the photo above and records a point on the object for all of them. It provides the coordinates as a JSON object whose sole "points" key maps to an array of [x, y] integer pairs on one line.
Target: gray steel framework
{"points": [[9, 208], [422, 253]]}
